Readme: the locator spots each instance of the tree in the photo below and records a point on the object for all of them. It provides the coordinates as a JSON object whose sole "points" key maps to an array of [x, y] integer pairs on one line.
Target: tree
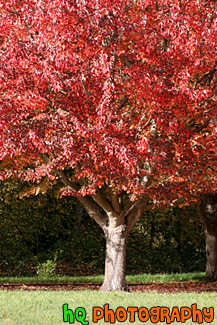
{"points": [[207, 210], [110, 97]]}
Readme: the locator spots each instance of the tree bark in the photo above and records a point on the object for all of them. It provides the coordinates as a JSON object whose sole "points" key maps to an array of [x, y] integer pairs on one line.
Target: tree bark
{"points": [[208, 214], [115, 259], [117, 232]]}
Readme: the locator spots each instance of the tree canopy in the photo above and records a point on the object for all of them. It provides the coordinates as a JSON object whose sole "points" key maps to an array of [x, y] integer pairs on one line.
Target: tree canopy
{"points": [[117, 91], [117, 99]]}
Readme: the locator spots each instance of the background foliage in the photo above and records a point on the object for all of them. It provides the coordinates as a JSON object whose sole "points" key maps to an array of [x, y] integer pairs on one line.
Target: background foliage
{"points": [[38, 228]]}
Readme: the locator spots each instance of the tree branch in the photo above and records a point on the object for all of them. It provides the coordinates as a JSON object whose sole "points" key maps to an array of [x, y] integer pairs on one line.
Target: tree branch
{"points": [[91, 208], [115, 200], [128, 206], [125, 99], [103, 203], [136, 212]]}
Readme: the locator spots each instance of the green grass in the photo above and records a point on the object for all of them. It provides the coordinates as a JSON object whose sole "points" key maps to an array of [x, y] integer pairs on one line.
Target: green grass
{"points": [[140, 278], [45, 307]]}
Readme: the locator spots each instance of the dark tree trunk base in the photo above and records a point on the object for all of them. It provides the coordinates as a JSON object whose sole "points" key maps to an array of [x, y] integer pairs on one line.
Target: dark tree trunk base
{"points": [[208, 215], [211, 251]]}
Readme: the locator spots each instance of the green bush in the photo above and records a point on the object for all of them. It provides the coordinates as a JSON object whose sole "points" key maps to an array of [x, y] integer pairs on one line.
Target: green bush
{"points": [[47, 268]]}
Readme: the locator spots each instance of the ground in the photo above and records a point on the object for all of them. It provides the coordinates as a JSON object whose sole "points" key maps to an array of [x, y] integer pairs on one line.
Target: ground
{"points": [[171, 287]]}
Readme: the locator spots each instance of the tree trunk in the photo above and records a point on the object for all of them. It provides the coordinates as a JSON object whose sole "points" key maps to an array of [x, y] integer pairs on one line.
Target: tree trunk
{"points": [[208, 214], [211, 254], [115, 260], [119, 218]]}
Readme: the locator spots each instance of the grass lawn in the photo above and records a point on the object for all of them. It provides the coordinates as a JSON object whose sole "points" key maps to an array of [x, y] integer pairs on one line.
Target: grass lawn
{"points": [[140, 278], [45, 307]]}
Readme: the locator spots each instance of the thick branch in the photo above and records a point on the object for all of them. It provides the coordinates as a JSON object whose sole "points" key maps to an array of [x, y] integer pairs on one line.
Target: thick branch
{"points": [[128, 206], [91, 208], [136, 212], [93, 211], [116, 204], [103, 202]]}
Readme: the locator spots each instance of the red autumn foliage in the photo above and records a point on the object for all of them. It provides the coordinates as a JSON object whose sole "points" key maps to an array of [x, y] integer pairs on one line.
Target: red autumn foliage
{"points": [[113, 90], [88, 83]]}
